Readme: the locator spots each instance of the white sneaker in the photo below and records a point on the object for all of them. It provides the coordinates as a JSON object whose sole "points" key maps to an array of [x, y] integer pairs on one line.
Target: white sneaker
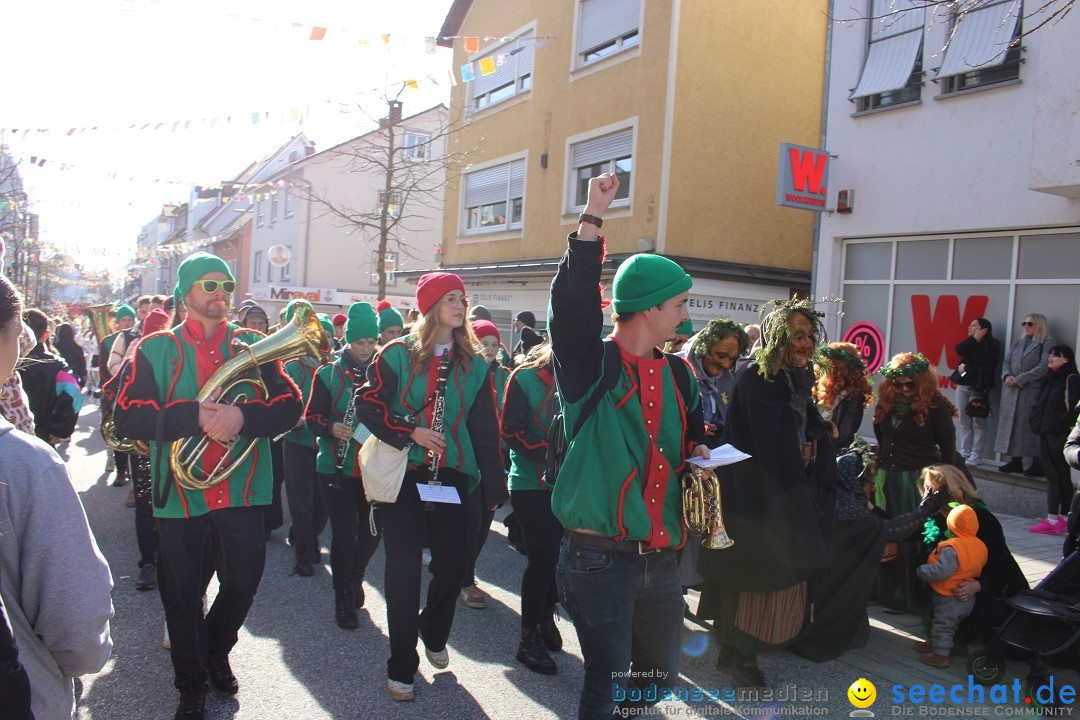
{"points": [[110, 463], [425, 557], [165, 642], [399, 691], [974, 459]]}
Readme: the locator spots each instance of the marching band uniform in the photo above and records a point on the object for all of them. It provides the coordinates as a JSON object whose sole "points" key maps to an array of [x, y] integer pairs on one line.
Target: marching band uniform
{"points": [[526, 417], [397, 401], [222, 523], [300, 447], [332, 392], [104, 351], [620, 582]]}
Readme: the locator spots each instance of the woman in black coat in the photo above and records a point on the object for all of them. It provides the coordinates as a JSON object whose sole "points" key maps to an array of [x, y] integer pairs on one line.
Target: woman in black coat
{"points": [[71, 351], [979, 354], [1051, 418]]}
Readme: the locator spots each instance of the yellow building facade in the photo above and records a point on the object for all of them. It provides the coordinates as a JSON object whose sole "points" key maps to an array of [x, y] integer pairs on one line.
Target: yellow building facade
{"points": [[687, 100]]}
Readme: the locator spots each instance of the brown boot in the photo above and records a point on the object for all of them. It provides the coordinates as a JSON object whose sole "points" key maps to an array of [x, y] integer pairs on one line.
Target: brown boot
{"points": [[934, 660]]}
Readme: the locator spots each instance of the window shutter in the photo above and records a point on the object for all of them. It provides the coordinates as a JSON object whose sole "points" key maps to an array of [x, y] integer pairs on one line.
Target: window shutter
{"points": [[519, 56], [608, 147], [486, 187], [980, 38], [605, 20], [517, 179], [895, 39]]}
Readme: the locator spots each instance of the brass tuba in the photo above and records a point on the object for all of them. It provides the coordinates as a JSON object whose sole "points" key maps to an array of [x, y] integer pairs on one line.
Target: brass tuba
{"points": [[303, 336], [702, 509], [98, 315]]}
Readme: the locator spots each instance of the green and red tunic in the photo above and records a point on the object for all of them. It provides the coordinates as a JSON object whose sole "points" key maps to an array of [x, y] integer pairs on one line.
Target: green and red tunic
{"points": [[526, 417], [331, 390], [157, 403], [620, 477]]}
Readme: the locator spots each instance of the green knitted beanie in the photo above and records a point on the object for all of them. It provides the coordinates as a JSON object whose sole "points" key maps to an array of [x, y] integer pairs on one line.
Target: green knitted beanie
{"points": [[645, 281], [361, 322]]}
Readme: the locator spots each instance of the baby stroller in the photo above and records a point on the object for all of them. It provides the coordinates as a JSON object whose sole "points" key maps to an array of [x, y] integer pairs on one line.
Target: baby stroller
{"points": [[1043, 627]]}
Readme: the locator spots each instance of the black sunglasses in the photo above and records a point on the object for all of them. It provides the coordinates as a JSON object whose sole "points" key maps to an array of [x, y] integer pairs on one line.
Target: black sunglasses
{"points": [[211, 286], [1027, 324]]}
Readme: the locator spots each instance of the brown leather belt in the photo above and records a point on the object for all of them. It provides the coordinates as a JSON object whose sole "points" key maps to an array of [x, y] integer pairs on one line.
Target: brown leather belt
{"points": [[606, 543]]}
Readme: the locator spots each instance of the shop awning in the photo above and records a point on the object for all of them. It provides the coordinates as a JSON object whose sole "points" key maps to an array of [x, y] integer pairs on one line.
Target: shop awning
{"points": [[894, 46], [980, 37]]}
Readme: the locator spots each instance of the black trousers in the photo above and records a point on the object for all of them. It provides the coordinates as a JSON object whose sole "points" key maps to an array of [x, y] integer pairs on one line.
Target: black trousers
{"points": [[306, 506], [273, 516], [404, 523], [353, 544], [139, 471], [543, 534], [479, 519], [231, 541], [1059, 487]]}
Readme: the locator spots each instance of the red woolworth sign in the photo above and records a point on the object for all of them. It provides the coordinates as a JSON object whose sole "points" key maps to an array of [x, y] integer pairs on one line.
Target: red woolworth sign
{"points": [[940, 330], [802, 179]]}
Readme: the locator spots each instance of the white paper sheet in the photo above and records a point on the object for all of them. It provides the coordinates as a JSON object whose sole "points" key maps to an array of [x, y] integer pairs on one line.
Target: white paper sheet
{"points": [[438, 493], [723, 455]]}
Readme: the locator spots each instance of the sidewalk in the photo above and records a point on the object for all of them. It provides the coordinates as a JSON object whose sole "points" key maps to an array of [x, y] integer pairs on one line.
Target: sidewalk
{"points": [[890, 653]]}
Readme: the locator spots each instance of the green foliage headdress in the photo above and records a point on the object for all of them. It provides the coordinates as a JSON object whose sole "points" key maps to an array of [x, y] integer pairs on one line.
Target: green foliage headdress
{"points": [[717, 329], [776, 334]]}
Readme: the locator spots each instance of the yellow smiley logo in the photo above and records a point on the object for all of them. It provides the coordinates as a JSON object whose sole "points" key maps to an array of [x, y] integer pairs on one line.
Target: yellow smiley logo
{"points": [[862, 693]]}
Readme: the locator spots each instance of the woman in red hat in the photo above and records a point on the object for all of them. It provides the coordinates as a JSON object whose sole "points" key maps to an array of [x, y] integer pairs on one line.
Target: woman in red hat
{"points": [[401, 406]]}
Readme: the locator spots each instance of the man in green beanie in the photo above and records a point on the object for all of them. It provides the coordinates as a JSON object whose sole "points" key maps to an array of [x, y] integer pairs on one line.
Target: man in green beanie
{"points": [[391, 324], [617, 492], [220, 526], [332, 401]]}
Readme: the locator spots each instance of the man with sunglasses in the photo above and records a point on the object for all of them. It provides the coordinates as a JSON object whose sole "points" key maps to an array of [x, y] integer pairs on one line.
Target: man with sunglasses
{"points": [[221, 527]]}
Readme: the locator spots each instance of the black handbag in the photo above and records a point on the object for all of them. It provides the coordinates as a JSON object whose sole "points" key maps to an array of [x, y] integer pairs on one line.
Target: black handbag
{"points": [[978, 405]]}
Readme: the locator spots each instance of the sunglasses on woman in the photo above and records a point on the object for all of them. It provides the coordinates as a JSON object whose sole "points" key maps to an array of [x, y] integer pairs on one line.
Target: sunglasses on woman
{"points": [[1027, 323], [211, 286]]}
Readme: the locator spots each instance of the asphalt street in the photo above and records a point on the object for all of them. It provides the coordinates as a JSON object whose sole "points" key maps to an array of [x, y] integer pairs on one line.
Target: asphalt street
{"points": [[292, 661]]}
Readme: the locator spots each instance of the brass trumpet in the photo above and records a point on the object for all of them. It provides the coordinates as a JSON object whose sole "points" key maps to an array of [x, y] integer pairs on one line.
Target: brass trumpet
{"points": [[303, 336], [702, 509]]}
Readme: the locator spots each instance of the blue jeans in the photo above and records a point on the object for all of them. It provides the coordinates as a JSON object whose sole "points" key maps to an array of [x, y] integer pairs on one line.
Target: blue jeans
{"points": [[628, 613]]}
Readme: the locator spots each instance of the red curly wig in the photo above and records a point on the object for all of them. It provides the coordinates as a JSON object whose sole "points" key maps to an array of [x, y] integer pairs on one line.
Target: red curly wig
{"points": [[840, 377], [926, 392]]}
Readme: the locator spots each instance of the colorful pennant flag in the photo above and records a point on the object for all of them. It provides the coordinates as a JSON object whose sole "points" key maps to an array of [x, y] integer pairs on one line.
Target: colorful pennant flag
{"points": [[430, 45], [317, 33], [487, 65], [472, 44], [413, 84], [467, 74]]}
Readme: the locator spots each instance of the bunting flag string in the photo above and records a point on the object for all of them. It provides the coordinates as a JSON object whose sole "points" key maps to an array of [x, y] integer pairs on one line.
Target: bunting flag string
{"points": [[487, 65]]}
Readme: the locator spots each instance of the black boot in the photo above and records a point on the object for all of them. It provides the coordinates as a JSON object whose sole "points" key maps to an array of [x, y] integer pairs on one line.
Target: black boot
{"points": [[742, 666], [1016, 465], [345, 610], [549, 632], [531, 653], [192, 704], [358, 592], [1036, 469]]}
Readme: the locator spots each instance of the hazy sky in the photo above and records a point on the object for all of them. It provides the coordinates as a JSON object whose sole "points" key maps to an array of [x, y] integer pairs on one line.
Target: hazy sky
{"points": [[111, 64]]}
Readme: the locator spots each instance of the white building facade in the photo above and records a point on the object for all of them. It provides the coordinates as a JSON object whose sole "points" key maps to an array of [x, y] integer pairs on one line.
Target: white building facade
{"points": [[956, 141]]}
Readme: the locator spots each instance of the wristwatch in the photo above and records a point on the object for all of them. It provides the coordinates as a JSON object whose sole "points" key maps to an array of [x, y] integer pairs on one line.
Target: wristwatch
{"points": [[591, 219]]}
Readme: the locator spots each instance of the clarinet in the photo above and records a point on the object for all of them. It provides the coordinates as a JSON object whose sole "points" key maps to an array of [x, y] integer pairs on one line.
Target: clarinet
{"points": [[437, 422], [341, 447]]}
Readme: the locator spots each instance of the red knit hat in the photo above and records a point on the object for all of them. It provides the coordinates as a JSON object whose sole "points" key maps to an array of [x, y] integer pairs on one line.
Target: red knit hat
{"points": [[431, 287], [339, 319], [156, 320], [486, 328]]}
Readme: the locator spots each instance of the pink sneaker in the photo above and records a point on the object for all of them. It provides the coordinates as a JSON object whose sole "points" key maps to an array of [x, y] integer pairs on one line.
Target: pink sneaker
{"points": [[1045, 527]]}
